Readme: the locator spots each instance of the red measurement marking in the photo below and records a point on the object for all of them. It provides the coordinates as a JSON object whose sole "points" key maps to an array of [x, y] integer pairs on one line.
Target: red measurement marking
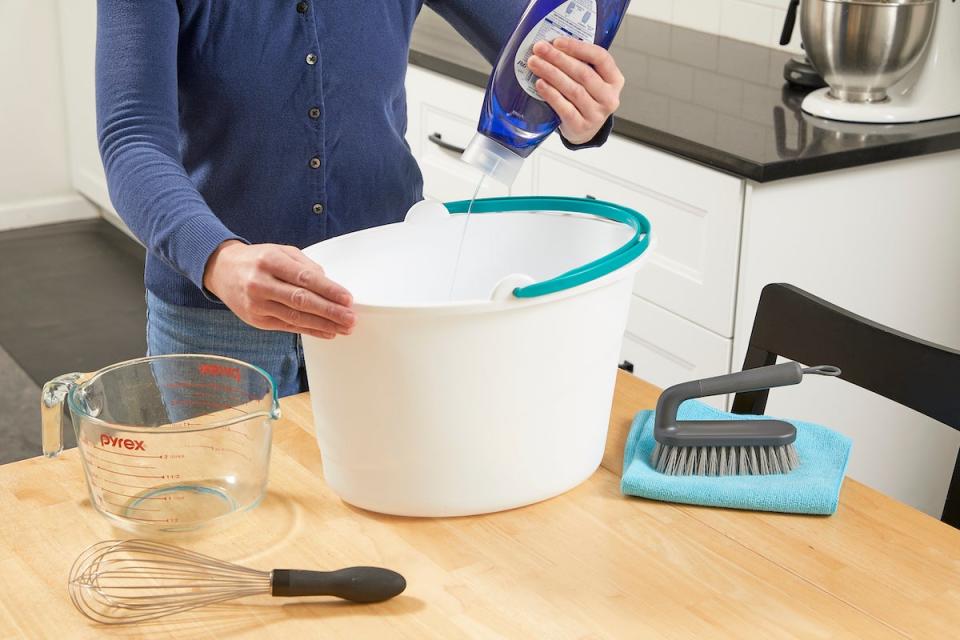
{"points": [[132, 475], [120, 453], [221, 437], [120, 506], [219, 371], [219, 450]]}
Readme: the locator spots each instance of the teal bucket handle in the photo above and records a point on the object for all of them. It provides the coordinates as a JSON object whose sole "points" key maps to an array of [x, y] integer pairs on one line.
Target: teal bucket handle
{"points": [[609, 263]]}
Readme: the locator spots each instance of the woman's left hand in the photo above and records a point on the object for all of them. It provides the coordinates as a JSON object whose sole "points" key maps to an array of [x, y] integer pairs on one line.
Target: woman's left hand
{"points": [[581, 81]]}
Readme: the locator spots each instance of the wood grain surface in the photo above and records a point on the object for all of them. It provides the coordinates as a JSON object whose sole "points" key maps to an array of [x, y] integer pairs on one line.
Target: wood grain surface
{"points": [[588, 564]]}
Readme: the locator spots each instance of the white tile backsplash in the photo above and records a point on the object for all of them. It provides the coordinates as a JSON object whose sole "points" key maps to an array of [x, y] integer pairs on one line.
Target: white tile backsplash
{"points": [[747, 21], [756, 21], [661, 10], [702, 15]]}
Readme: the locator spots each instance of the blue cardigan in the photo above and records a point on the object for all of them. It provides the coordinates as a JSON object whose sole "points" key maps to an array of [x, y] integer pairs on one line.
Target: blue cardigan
{"points": [[266, 121]]}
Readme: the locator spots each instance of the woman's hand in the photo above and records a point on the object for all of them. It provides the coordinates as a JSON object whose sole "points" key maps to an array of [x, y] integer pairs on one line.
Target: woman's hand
{"points": [[581, 81], [276, 287]]}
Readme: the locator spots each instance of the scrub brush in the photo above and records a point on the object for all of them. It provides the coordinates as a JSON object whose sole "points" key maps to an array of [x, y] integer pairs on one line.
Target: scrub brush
{"points": [[728, 447]]}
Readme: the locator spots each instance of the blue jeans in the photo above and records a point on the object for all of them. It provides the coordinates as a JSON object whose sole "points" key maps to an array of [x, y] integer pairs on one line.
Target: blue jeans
{"points": [[174, 329]]}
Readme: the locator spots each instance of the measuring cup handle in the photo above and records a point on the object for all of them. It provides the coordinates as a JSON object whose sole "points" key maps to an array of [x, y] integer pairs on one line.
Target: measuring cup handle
{"points": [[54, 411]]}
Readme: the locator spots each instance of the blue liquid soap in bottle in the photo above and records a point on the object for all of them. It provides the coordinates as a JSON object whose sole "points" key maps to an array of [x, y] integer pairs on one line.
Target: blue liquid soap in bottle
{"points": [[515, 119]]}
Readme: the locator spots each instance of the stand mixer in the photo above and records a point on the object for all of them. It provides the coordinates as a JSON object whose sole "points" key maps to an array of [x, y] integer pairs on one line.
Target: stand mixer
{"points": [[885, 61]]}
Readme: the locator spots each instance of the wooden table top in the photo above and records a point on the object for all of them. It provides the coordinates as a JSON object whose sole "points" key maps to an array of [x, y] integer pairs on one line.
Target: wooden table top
{"points": [[588, 564]]}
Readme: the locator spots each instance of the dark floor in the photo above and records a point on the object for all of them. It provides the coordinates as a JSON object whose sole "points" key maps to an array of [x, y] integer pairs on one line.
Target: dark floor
{"points": [[71, 299]]}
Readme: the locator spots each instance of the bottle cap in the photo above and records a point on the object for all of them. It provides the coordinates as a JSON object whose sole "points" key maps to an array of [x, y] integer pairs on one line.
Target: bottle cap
{"points": [[494, 159]]}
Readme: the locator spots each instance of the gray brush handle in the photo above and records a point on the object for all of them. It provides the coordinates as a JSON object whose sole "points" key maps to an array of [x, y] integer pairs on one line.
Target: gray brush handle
{"points": [[713, 433], [777, 375]]}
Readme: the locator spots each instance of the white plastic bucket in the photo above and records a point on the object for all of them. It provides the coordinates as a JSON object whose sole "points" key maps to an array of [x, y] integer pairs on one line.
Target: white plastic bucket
{"points": [[440, 406]]}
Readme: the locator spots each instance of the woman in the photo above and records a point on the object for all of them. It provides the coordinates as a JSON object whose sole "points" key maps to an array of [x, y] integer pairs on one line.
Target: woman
{"points": [[235, 133]]}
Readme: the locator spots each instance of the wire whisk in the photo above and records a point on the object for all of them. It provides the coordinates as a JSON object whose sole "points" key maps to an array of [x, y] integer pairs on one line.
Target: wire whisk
{"points": [[125, 581]]}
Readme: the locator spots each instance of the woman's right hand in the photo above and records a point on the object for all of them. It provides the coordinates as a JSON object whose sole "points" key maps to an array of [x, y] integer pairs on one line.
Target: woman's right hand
{"points": [[276, 287]]}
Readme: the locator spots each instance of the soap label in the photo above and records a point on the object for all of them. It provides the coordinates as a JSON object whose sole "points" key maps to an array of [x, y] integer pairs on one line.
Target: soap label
{"points": [[573, 19]]}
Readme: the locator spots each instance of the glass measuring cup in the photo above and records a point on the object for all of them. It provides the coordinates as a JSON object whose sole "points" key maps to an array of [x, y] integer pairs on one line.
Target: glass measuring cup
{"points": [[168, 443]]}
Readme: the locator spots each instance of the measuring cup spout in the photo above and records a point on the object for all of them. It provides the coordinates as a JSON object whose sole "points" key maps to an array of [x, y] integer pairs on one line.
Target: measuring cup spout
{"points": [[54, 412]]}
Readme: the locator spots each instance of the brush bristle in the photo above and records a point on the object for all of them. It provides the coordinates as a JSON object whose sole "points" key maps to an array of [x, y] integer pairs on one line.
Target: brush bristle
{"points": [[724, 461]]}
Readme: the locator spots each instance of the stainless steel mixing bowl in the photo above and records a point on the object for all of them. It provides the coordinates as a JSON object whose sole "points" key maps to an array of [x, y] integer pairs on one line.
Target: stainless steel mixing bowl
{"points": [[863, 47]]}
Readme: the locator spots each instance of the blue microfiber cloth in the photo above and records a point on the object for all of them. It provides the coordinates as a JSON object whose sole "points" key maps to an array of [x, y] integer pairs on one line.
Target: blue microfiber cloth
{"points": [[812, 488]]}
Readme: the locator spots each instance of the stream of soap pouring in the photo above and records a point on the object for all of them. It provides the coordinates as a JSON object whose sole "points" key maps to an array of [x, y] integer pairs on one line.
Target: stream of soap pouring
{"points": [[463, 235]]}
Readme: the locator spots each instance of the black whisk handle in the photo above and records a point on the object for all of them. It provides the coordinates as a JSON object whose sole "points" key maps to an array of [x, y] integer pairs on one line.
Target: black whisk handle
{"points": [[357, 584]]}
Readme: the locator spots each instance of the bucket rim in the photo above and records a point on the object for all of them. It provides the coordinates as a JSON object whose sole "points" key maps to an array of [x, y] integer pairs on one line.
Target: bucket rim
{"points": [[622, 256], [598, 273], [489, 305]]}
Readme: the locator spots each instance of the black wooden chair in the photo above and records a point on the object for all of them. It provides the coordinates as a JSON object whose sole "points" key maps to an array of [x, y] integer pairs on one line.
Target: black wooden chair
{"points": [[921, 375]]}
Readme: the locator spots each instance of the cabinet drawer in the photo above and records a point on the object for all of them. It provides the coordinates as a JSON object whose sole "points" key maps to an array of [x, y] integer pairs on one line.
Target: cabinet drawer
{"points": [[695, 213], [666, 349]]}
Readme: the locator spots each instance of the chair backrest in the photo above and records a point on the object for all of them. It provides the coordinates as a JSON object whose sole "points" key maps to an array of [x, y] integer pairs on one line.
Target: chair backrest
{"points": [[915, 373]]}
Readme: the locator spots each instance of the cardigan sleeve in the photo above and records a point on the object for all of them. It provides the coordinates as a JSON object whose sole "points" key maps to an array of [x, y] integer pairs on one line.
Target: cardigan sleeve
{"points": [[485, 24], [138, 134]]}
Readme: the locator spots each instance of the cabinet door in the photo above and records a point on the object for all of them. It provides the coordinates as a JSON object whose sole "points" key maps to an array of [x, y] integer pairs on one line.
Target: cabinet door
{"points": [[695, 213], [666, 349]]}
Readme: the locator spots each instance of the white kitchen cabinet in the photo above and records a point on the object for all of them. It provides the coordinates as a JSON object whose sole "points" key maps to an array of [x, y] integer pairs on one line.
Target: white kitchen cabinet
{"points": [[681, 319], [695, 213], [666, 349], [881, 241]]}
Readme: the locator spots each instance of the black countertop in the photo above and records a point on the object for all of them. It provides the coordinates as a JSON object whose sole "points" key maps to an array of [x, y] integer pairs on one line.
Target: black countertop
{"points": [[716, 101]]}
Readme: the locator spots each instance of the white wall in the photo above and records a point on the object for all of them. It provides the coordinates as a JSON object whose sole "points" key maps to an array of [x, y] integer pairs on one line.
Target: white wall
{"points": [[35, 186], [78, 45], [757, 21], [879, 240]]}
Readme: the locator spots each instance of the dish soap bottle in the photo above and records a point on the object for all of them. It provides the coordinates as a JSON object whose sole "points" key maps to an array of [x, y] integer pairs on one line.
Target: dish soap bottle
{"points": [[515, 119]]}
